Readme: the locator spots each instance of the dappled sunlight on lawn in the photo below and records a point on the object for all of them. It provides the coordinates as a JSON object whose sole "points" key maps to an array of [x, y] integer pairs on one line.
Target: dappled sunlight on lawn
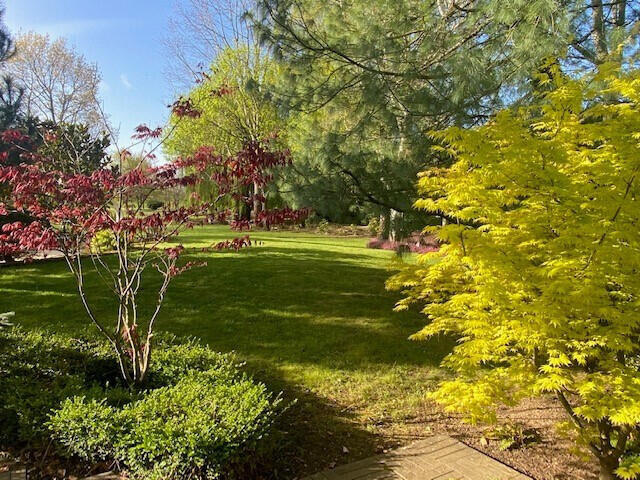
{"points": [[288, 302], [44, 293], [309, 314]]}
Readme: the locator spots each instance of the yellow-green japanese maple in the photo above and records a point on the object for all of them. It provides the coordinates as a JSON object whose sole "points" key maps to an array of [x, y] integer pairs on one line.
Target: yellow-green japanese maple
{"points": [[539, 272]]}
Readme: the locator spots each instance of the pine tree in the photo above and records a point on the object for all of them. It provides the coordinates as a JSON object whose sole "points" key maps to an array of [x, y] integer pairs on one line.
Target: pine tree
{"points": [[366, 78], [10, 103], [10, 94]]}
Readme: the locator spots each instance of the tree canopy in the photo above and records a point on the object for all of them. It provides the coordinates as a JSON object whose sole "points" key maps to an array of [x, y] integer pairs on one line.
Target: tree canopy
{"points": [[233, 104], [235, 113], [365, 80], [59, 84], [72, 148]]}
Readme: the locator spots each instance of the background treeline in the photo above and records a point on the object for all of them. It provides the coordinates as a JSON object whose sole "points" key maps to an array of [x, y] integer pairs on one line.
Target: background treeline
{"points": [[353, 88]]}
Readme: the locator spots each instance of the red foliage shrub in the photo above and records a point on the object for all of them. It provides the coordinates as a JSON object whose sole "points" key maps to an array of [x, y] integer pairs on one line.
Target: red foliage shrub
{"points": [[66, 211]]}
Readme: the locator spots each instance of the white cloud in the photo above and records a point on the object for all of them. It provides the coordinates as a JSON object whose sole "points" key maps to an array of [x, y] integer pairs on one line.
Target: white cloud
{"points": [[125, 81]]}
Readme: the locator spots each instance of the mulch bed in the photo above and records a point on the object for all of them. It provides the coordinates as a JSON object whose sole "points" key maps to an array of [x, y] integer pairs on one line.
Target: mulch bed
{"points": [[414, 243], [551, 458]]}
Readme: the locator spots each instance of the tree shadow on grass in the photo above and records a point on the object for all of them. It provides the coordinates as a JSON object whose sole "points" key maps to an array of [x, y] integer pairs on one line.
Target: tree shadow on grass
{"points": [[303, 307], [313, 434], [298, 315], [279, 305]]}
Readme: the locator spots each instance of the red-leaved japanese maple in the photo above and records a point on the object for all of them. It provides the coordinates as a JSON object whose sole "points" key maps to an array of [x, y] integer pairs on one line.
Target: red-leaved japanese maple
{"points": [[246, 175], [67, 212]]}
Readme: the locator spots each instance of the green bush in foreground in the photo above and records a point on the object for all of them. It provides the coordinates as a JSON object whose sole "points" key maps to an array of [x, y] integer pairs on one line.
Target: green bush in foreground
{"points": [[37, 371], [198, 417], [199, 427]]}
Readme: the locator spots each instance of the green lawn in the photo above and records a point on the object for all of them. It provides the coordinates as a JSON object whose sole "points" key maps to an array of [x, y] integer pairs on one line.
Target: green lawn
{"points": [[310, 315]]}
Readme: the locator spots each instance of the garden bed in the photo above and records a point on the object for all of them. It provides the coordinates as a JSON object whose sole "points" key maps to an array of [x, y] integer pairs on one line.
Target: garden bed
{"points": [[414, 243], [65, 409]]}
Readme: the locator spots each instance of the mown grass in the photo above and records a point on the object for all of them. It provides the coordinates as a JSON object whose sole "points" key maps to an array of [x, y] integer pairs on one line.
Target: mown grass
{"points": [[308, 312]]}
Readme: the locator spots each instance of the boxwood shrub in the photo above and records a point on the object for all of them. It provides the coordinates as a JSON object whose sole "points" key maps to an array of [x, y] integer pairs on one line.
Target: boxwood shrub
{"points": [[37, 371], [200, 427], [199, 416]]}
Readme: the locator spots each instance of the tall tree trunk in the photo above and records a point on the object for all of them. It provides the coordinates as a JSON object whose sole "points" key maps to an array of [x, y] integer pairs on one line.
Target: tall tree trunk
{"points": [[621, 13], [599, 34], [256, 202], [395, 225], [246, 209], [391, 225], [385, 221]]}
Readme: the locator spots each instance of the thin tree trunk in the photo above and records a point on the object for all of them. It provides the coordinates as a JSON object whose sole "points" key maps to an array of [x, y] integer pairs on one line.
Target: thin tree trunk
{"points": [[256, 202], [385, 221], [621, 13], [395, 224], [263, 206], [599, 36], [608, 466]]}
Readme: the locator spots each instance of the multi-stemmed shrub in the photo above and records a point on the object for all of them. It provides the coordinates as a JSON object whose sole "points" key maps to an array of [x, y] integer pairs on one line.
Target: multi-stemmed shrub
{"points": [[538, 273], [75, 213]]}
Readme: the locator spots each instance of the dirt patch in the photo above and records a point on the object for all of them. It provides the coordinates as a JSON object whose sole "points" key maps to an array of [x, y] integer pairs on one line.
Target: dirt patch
{"points": [[548, 459]]}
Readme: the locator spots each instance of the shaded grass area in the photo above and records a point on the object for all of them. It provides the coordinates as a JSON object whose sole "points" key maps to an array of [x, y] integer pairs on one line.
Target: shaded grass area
{"points": [[308, 312]]}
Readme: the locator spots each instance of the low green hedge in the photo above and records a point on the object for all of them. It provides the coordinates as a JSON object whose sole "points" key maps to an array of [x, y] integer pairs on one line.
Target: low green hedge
{"points": [[38, 370], [199, 416]]}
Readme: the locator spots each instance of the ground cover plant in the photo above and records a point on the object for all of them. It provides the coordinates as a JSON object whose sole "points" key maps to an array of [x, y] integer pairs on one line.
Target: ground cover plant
{"points": [[63, 394]]}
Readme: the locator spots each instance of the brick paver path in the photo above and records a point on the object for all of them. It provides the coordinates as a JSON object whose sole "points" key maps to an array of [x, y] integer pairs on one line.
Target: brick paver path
{"points": [[439, 457], [436, 458]]}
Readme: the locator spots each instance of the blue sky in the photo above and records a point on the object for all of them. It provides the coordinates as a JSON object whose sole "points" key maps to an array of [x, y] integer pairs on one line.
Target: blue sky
{"points": [[124, 37]]}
